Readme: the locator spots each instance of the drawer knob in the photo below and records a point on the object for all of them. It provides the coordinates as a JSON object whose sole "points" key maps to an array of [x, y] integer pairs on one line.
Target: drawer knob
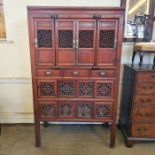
{"points": [[75, 73], [48, 73], [102, 73]]}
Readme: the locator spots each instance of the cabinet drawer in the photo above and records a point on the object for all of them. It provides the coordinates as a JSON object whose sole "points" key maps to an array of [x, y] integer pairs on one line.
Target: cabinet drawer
{"points": [[143, 130], [144, 100], [144, 114], [146, 77], [76, 73], [48, 73], [145, 88], [103, 73]]}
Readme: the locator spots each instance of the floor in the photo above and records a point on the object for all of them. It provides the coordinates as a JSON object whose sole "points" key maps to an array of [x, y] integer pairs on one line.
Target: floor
{"points": [[67, 140]]}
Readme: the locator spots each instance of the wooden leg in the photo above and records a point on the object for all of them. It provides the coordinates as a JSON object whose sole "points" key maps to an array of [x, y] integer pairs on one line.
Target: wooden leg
{"points": [[133, 57], [37, 134], [141, 58], [45, 124], [129, 143], [113, 135]]}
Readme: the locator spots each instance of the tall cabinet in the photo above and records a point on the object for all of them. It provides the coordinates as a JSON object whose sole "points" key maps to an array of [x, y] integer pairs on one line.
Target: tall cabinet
{"points": [[75, 62]]}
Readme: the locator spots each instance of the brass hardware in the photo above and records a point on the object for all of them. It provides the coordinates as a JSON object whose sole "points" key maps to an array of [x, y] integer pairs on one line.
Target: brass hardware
{"points": [[74, 44], [115, 44], [35, 43], [77, 44], [48, 73], [102, 73], [97, 16], [75, 73]]}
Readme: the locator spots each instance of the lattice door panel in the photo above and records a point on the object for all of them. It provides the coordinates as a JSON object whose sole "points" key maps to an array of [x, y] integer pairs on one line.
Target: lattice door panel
{"points": [[65, 39], [47, 88], [86, 38], [84, 110], [104, 89], [106, 39], [66, 109], [44, 38], [47, 110], [85, 88], [102, 110], [66, 88]]}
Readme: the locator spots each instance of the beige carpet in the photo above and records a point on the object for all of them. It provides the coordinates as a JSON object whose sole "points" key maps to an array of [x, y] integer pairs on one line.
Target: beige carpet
{"points": [[67, 140]]}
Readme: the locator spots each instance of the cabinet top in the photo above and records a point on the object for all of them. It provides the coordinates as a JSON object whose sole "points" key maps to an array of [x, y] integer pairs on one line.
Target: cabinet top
{"points": [[49, 8], [144, 67]]}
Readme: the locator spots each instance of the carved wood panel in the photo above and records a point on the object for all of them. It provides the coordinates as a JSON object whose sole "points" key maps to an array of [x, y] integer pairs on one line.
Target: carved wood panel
{"points": [[102, 110], [47, 110], [85, 88], [66, 88], [66, 109], [47, 88], [84, 109], [104, 89]]}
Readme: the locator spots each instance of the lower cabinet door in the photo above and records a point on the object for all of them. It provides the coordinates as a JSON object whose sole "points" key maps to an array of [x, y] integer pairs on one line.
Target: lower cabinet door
{"points": [[143, 130], [102, 110], [66, 109], [47, 110]]}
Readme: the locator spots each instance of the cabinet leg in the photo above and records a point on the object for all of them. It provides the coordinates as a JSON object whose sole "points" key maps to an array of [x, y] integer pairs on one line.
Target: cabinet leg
{"points": [[133, 57], [129, 143], [141, 58], [45, 124], [37, 134], [113, 135]]}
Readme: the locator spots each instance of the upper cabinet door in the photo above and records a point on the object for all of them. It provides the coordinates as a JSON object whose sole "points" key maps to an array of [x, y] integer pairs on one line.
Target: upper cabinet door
{"points": [[85, 42], [65, 42], [44, 42], [107, 42]]}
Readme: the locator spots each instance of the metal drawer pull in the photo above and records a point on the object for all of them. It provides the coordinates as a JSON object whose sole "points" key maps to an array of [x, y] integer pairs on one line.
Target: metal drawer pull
{"points": [[75, 73], [48, 73], [102, 73]]}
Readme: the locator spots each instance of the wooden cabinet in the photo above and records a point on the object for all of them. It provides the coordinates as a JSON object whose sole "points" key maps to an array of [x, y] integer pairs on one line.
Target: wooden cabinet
{"points": [[75, 61], [137, 116]]}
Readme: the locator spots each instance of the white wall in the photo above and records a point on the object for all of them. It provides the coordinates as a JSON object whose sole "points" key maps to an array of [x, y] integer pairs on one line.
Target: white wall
{"points": [[15, 74]]}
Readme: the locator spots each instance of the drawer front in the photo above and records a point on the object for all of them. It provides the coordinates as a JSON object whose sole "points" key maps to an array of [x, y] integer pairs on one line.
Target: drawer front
{"points": [[103, 73], [143, 130], [48, 73], [146, 76], [144, 114], [144, 100], [145, 88], [76, 73]]}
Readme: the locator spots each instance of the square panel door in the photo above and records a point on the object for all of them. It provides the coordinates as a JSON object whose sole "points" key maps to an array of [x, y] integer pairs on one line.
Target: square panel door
{"points": [[85, 42], [44, 42], [65, 42], [107, 42]]}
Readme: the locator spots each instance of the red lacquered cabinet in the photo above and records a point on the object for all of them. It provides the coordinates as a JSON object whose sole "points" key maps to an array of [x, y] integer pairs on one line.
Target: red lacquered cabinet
{"points": [[75, 61]]}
